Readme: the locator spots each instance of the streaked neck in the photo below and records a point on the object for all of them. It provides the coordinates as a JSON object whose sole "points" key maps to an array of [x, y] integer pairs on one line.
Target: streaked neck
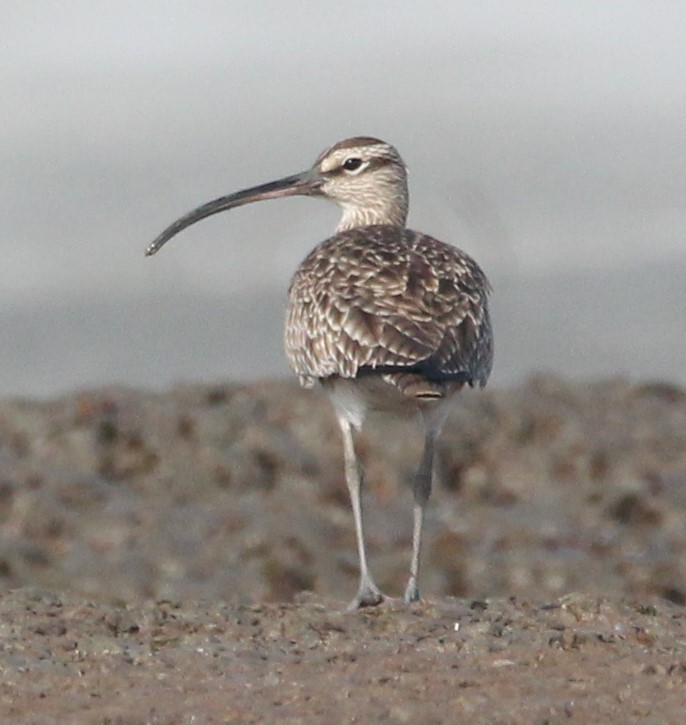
{"points": [[392, 212]]}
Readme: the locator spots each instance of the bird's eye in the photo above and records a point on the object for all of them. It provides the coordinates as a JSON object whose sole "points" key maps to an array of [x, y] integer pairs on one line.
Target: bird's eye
{"points": [[352, 164]]}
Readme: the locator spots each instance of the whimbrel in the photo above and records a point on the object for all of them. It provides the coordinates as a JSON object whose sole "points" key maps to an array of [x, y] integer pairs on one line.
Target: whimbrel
{"points": [[384, 318]]}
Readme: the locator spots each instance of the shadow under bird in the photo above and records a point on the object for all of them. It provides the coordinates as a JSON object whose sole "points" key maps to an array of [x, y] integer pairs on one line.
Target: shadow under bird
{"points": [[384, 318]]}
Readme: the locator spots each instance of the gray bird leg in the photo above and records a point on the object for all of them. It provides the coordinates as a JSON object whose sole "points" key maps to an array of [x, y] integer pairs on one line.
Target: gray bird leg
{"points": [[368, 594], [421, 489]]}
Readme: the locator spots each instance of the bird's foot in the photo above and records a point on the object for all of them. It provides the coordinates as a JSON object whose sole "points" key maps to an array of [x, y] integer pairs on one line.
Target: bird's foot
{"points": [[367, 596], [411, 591]]}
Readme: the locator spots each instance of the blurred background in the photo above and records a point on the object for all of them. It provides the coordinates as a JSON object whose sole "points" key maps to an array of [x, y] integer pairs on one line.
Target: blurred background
{"points": [[545, 138]]}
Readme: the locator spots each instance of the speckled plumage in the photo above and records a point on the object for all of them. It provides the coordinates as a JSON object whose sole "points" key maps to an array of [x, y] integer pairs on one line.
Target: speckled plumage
{"points": [[385, 298]]}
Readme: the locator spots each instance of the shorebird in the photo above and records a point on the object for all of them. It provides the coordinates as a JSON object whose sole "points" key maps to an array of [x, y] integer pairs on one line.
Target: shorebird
{"points": [[384, 318]]}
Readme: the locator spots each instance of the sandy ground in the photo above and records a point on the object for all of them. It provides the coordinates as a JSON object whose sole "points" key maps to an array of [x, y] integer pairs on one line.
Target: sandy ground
{"points": [[184, 558]]}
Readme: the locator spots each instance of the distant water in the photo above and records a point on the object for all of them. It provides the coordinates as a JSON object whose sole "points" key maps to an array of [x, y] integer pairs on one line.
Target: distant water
{"points": [[578, 325]]}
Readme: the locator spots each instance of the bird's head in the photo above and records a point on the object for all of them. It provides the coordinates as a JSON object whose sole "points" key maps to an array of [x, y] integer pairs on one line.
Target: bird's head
{"points": [[365, 176]]}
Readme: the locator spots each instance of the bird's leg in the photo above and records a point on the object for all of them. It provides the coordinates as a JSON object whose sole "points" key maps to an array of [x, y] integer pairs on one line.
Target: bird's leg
{"points": [[421, 488], [368, 594]]}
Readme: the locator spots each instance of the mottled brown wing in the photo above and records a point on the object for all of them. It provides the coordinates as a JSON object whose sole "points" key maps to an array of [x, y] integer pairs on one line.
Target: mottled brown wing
{"points": [[382, 297]]}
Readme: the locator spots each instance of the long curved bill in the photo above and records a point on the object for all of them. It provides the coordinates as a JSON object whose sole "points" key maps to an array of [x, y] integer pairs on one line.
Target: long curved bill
{"points": [[307, 184]]}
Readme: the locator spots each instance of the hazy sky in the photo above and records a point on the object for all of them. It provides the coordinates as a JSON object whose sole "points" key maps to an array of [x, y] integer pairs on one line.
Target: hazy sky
{"points": [[546, 138]]}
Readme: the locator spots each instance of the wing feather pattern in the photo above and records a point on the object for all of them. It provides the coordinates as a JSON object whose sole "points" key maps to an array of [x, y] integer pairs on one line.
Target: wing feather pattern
{"points": [[387, 299]]}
